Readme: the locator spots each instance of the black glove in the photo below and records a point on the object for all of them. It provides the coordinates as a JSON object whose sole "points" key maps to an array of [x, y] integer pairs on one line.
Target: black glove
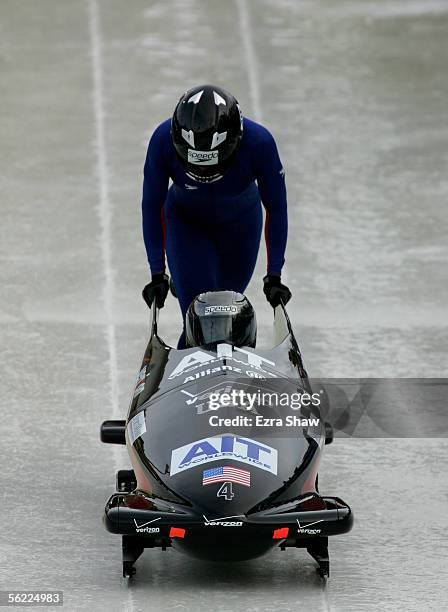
{"points": [[158, 288], [274, 291]]}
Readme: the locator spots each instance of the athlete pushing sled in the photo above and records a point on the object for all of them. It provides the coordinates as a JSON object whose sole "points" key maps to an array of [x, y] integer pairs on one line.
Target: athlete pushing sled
{"points": [[223, 167]]}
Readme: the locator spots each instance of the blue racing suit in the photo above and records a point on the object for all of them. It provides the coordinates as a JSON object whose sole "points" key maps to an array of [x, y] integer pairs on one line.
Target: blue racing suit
{"points": [[211, 231]]}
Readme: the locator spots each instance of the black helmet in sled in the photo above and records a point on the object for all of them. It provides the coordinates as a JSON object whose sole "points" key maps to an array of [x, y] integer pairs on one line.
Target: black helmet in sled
{"points": [[220, 316]]}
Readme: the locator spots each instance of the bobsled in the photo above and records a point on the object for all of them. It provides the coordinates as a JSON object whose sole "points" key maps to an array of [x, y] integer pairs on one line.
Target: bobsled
{"points": [[220, 470]]}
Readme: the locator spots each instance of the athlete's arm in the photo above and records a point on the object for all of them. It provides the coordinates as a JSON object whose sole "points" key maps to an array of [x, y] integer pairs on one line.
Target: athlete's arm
{"points": [[271, 185], [155, 187]]}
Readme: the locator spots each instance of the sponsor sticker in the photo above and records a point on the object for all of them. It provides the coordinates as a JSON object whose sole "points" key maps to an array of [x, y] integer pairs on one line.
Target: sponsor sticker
{"points": [[223, 521], [197, 359], [136, 426], [224, 524], [202, 158], [204, 402], [220, 310], [224, 350], [140, 384], [225, 446], [192, 360], [143, 528], [227, 368], [305, 529]]}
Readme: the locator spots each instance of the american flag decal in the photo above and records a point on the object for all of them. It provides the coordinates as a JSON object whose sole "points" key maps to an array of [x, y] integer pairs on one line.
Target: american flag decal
{"points": [[226, 473]]}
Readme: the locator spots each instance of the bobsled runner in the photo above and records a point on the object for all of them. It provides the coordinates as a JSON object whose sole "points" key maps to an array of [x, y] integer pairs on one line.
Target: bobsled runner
{"points": [[222, 480]]}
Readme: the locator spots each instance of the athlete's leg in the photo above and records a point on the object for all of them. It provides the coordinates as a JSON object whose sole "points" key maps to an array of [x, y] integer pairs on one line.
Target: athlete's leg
{"points": [[237, 246], [192, 260]]}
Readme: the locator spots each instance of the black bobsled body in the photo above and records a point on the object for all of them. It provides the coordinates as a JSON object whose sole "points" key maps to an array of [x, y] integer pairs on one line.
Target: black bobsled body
{"points": [[222, 482]]}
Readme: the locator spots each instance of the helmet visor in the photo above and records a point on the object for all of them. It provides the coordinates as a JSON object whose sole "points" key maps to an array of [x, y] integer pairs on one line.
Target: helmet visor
{"points": [[239, 330]]}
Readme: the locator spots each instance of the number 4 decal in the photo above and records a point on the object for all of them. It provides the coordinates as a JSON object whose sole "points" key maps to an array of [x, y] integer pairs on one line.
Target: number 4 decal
{"points": [[226, 491]]}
